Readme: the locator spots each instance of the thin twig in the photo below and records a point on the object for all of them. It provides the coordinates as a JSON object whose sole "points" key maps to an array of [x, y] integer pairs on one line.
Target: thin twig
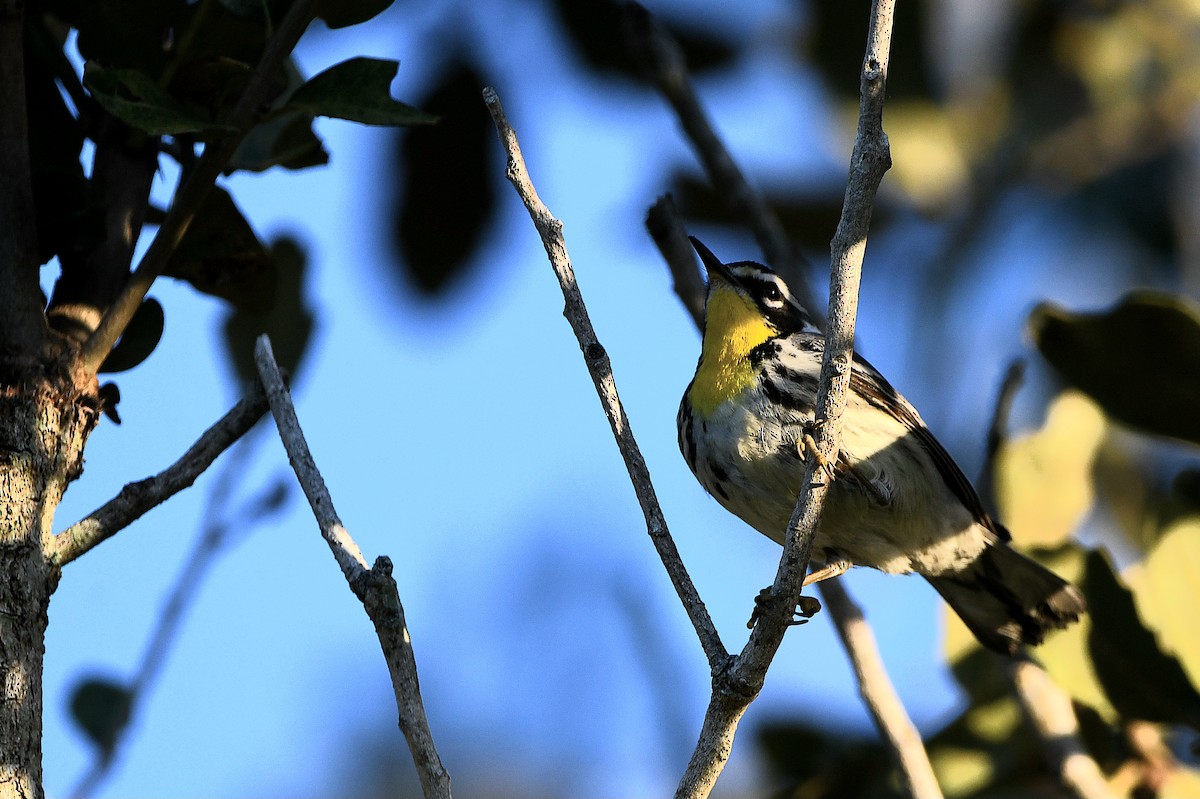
{"points": [[375, 587], [198, 184], [878, 694], [669, 234], [135, 499], [869, 160], [998, 430], [874, 684], [1049, 708], [661, 60], [219, 522], [600, 369]]}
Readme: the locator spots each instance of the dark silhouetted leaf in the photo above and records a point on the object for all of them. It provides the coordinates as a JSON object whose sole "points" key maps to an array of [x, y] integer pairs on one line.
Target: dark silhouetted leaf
{"points": [[214, 84], [335, 13], [227, 34], [69, 223], [100, 707], [221, 255], [1139, 360], [124, 33], [286, 141], [358, 90], [596, 31], [140, 338], [1140, 680], [340, 13], [110, 395], [448, 188], [289, 322], [134, 98]]}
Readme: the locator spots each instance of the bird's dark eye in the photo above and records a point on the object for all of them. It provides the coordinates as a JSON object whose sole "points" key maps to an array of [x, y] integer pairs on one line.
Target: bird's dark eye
{"points": [[773, 294]]}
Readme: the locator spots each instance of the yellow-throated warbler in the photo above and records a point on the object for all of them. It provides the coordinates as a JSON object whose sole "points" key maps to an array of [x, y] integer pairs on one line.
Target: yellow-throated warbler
{"points": [[898, 502]]}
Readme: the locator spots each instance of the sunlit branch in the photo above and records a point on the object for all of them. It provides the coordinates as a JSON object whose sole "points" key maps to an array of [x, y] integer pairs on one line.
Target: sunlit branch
{"points": [[135, 499], [600, 369], [375, 587]]}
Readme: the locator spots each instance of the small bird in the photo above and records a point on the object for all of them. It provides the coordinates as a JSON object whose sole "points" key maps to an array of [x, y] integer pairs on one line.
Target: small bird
{"points": [[897, 502]]}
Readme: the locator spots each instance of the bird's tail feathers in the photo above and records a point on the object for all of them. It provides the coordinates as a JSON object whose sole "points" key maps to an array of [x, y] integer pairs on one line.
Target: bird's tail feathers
{"points": [[1007, 600]]}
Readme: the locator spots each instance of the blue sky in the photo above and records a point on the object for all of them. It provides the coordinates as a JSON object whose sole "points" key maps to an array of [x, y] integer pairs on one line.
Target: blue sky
{"points": [[465, 441]]}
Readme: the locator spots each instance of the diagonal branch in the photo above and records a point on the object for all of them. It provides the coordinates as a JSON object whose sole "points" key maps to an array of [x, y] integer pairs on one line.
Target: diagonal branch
{"points": [[876, 688], [878, 693], [196, 187], [670, 236], [661, 61], [137, 498], [868, 162], [600, 369], [375, 587]]}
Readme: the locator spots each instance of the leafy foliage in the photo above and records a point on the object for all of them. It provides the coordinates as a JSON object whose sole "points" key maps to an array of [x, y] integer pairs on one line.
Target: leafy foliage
{"points": [[1105, 355], [357, 90], [100, 706], [447, 195]]}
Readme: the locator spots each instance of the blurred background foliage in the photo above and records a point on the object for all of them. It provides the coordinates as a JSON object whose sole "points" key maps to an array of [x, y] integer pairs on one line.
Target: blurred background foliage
{"points": [[1084, 110]]}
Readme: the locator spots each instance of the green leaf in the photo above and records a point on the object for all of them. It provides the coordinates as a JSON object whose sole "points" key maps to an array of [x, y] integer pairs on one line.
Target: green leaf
{"points": [[221, 255], [1140, 360], [141, 336], [1166, 587], [1110, 661], [100, 707], [287, 141], [1044, 479], [134, 98], [289, 322], [358, 90]]}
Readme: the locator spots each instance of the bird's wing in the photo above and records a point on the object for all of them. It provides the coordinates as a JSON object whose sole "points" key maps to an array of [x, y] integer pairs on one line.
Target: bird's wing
{"points": [[875, 389]]}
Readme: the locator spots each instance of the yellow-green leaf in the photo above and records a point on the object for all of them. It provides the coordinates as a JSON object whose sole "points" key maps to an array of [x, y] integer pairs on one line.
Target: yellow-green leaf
{"points": [[1166, 588], [1044, 479]]}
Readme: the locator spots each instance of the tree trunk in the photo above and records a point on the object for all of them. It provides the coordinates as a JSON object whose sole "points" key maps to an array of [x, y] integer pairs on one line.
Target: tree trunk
{"points": [[44, 423]]}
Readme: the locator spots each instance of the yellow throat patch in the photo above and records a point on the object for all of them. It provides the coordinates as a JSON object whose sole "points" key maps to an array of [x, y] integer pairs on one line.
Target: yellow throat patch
{"points": [[733, 326]]}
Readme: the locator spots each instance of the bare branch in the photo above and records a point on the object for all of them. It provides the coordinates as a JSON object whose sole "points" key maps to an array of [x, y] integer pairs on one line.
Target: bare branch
{"points": [[869, 160], [665, 227], [375, 587], [137, 498], [600, 369], [219, 522], [874, 684], [1049, 708], [997, 430], [196, 187], [878, 693], [661, 61]]}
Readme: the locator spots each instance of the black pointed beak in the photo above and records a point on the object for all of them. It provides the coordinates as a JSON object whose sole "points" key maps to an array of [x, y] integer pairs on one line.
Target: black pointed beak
{"points": [[712, 264]]}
